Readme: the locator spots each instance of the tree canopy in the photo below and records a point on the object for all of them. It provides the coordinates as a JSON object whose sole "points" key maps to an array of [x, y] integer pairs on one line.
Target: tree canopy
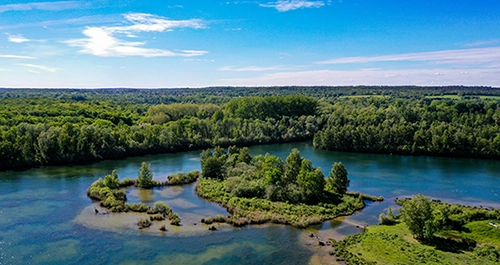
{"points": [[145, 176]]}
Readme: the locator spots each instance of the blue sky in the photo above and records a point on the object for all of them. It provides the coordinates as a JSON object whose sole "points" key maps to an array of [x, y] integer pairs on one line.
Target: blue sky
{"points": [[153, 44]]}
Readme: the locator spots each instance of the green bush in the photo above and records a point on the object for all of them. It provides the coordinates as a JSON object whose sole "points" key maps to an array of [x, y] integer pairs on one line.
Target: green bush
{"points": [[127, 182], [137, 207], [161, 207]]}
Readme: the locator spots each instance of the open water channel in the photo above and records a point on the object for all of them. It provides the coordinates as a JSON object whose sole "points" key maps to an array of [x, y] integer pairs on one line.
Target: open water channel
{"points": [[47, 218]]}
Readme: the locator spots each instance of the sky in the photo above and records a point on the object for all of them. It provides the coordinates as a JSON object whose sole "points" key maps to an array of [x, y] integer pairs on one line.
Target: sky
{"points": [[168, 44]]}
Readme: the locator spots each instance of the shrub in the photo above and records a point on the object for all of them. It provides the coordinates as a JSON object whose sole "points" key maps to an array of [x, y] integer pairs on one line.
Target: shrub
{"points": [[157, 217], [137, 207], [161, 207], [127, 182], [388, 219], [144, 223], [174, 219]]}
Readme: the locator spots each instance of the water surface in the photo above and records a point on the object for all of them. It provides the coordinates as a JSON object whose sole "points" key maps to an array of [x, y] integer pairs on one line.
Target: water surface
{"points": [[46, 217]]}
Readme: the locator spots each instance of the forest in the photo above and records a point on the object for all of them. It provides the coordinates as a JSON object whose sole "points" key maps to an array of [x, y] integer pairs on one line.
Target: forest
{"points": [[74, 126]]}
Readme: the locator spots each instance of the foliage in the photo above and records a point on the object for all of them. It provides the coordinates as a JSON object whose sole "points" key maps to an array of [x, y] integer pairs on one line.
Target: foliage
{"points": [[112, 181], [391, 245], [144, 223], [161, 207], [337, 181], [174, 219], [212, 164], [110, 196], [137, 207], [163, 113], [271, 107], [457, 128], [417, 215], [473, 240], [271, 190], [145, 176], [60, 127], [260, 210], [389, 219], [295, 181], [183, 178]]}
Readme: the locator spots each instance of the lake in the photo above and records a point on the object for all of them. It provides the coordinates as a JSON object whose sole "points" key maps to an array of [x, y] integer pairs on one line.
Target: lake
{"points": [[47, 218]]}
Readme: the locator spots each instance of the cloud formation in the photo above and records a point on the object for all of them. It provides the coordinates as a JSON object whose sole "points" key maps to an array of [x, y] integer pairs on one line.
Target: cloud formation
{"points": [[102, 41], [39, 67], [48, 6], [465, 56], [17, 38], [287, 5], [10, 56], [251, 68], [421, 77]]}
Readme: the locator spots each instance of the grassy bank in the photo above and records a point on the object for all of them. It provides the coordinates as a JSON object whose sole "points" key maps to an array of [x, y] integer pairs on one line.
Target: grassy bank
{"points": [[395, 245], [427, 232]]}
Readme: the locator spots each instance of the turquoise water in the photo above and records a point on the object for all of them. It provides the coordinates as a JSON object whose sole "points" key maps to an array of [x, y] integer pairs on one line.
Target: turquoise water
{"points": [[46, 217]]}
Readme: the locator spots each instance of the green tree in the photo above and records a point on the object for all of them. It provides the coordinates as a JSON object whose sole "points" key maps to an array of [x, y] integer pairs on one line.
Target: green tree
{"points": [[145, 176], [311, 182], [337, 181], [292, 166], [112, 181], [417, 215], [212, 165], [244, 155]]}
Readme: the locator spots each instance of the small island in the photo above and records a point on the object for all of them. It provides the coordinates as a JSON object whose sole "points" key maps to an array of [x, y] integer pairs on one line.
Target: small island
{"points": [[264, 188], [111, 194]]}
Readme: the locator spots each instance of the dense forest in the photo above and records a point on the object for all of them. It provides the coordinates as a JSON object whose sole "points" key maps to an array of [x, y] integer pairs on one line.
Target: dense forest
{"points": [[68, 126], [460, 128]]}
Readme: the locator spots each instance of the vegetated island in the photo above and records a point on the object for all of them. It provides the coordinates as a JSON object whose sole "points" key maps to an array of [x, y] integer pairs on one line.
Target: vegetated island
{"points": [[254, 190], [109, 191], [264, 188], [426, 231]]}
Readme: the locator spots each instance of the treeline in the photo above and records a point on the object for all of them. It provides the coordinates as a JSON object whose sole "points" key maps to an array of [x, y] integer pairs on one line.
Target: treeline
{"points": [[49, 142], [221, 95], [454, 128]]}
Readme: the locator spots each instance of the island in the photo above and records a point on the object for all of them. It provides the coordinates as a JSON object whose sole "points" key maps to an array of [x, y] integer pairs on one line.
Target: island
{"points": [[254, 190], [111, 195], [264, 188]]}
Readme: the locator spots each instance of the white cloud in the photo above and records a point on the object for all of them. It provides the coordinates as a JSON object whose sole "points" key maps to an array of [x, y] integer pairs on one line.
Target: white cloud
{"points": [[40, 67], [465, 56], [481, 43], [10, 56], [49, 6], [102, 41], [252, 68], [422, 77], [287, 5], [17, 38]]}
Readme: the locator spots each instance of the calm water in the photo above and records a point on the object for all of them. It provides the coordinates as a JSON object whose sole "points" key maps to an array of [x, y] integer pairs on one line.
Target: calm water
{"points": [[46, 217]]}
